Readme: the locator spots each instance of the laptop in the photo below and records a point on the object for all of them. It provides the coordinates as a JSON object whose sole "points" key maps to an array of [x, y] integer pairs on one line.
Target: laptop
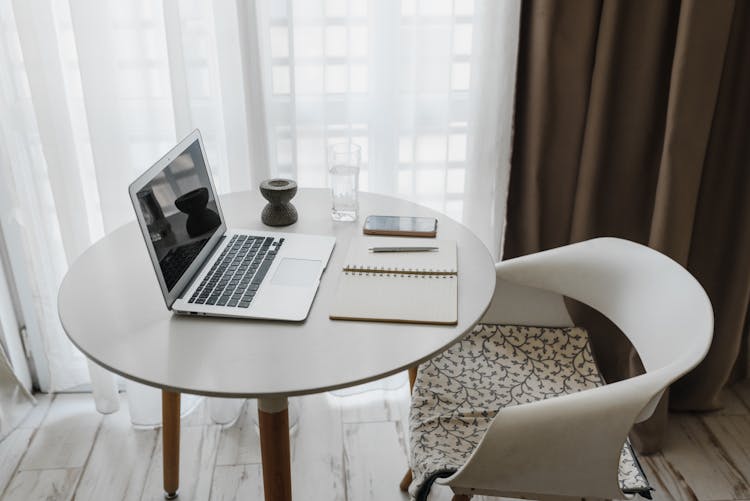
{"points": [[202, 267]]}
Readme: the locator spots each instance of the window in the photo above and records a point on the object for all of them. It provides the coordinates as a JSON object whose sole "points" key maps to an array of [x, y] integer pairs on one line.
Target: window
{"points": [[391, 76]]}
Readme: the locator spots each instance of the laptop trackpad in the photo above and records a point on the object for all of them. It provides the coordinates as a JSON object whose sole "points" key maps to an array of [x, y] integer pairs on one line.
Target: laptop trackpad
{"points": [[297, 272]]}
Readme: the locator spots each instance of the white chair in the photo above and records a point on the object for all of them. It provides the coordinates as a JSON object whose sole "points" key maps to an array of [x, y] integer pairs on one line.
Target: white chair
{"points": [[520, 411]]}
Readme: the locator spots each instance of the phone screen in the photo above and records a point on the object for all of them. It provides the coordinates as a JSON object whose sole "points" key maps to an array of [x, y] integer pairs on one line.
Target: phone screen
{"points": [[401, 223]]}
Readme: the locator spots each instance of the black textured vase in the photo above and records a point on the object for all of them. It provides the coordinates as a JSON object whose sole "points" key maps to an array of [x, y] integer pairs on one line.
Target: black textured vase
{"points": [[279, 211]]}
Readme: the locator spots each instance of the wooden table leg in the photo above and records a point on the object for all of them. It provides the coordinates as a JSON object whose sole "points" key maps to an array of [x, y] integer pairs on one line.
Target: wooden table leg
{"points": [[273, 421], [406, 481], [170, 415]]}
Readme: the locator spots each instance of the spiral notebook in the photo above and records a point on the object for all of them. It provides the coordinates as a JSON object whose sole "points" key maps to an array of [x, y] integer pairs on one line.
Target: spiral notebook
{"points": [[411, 287]]}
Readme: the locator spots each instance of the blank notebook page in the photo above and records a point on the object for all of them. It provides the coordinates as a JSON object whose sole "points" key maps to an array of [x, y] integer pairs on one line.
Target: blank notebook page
{"points": [[397, 298]]}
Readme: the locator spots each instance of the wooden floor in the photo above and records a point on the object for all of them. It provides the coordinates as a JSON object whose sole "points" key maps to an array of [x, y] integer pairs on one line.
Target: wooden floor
{"points": [[345, 449]]}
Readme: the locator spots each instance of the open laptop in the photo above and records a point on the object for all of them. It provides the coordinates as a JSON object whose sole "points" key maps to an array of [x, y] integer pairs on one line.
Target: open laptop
{"points": [[205, 269]]}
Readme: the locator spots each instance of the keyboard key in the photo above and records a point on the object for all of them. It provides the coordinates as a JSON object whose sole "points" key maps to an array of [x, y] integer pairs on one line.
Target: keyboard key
{"points": [[235, 276]]}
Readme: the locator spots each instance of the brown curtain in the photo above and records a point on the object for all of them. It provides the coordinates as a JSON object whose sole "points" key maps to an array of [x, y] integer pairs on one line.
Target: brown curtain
{"points": [[633, 120]]}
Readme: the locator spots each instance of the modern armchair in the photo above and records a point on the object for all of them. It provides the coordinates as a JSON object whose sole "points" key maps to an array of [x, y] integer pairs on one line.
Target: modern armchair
{"points": [[518, 408]]}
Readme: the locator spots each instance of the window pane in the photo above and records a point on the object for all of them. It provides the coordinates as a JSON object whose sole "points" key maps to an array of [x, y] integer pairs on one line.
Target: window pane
{"points": [[280, 77], [336, 79], [430, 181], [308, 42], [335, 41], [431, 148], [279, 42]]}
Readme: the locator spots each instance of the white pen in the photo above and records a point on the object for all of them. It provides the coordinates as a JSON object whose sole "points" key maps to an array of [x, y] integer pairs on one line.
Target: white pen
{"points": [[403, 249]]}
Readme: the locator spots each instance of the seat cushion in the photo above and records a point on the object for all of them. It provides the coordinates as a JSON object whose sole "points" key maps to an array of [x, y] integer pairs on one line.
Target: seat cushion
{"points": [[458, 393]]}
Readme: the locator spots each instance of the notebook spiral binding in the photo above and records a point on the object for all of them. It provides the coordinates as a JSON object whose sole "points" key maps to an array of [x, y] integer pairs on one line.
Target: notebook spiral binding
{"points": [[436, 276], [382, 270]]}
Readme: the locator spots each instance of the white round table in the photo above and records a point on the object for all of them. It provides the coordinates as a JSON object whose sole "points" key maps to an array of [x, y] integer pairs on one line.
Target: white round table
{"points": [[112, 310]]}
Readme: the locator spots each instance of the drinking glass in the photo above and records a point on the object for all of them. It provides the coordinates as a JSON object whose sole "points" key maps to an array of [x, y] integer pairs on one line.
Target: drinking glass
{"points": [[343, 166]]}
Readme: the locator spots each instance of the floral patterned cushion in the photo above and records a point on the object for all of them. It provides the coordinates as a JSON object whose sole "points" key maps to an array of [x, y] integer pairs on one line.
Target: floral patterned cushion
{"points": [[457, 394]]}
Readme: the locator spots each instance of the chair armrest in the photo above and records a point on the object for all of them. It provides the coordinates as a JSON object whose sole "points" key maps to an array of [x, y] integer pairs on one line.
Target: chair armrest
{"points": [[563, 446]]}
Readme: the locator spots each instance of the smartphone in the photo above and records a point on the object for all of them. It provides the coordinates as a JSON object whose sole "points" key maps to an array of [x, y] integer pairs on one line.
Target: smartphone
{"points": [[402, 226]]}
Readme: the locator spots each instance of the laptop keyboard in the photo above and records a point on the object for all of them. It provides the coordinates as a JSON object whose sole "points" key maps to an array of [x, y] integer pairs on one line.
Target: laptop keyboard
{"points": [[235, 276]]}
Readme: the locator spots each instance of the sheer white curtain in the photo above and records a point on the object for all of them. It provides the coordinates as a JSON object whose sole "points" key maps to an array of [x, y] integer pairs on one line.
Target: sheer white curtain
{"points": [[424, 86], [92, 92]]}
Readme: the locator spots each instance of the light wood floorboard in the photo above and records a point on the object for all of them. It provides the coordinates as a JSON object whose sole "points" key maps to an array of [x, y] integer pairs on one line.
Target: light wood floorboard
{"points": [[375, 461], [692, 452], [318, 450], [240, 443], [55, 484], [198, 446], [12, 450], [730, 436], [38, 412], [119, 461], [66, 435], [345, 448], [237, 483], [667, 482]]}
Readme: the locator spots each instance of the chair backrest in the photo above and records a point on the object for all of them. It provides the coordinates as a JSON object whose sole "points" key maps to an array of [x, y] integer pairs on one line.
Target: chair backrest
{"points": [[657, 304]]}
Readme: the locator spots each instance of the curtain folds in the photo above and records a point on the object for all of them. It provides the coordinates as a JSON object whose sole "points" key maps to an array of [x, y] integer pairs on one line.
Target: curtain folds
{"points": [[629, 122]]}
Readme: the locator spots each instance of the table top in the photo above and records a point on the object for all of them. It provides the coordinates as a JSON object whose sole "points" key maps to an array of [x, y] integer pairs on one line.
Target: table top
{"points": [[111, 307]]}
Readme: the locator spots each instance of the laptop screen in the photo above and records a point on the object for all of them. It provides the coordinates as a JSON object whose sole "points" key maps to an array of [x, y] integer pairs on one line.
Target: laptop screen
{"points": [[179, 209]]}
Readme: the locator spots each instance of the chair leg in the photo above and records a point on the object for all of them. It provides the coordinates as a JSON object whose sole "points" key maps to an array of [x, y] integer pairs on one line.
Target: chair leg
{"points": [[412, 377], [406, 481]]}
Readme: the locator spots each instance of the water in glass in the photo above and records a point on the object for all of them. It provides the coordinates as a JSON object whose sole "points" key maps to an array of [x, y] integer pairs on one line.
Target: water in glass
{"points": [[344, 180], [343, 165]]}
